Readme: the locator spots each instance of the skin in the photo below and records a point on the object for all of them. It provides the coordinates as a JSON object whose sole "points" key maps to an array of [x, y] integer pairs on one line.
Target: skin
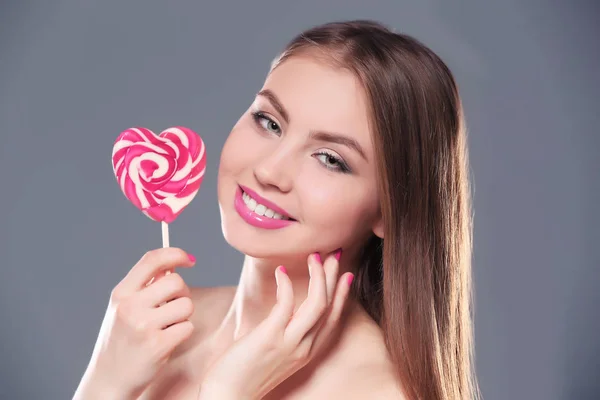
{"points": [[278, 156]]}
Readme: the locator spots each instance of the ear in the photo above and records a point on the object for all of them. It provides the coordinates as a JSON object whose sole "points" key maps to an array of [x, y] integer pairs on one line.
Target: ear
{"points": [[378, 227]]}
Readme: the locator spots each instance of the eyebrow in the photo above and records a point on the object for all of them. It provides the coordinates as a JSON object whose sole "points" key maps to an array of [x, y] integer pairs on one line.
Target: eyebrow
{"points": [[339, 139], [315, 135], [276, 103]]}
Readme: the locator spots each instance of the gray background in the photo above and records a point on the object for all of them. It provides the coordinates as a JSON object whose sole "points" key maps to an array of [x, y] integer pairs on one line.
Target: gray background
{"points": [[73, 74]]}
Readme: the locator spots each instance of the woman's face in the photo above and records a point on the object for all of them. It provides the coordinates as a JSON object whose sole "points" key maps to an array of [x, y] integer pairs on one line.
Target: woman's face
{"points": [[302, 150]]}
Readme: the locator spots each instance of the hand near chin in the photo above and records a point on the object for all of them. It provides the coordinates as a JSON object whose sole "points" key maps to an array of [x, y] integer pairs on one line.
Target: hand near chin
{"points": [[285, 341]]}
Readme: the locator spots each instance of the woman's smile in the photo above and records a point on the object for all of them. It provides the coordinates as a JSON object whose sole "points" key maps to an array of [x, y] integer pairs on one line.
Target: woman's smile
{"points": [[260, 212]]}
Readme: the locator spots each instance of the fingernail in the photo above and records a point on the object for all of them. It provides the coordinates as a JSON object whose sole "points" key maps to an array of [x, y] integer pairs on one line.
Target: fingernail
{"points": [[338, 254], [282, 269], [350, 279], [318, 257], [192, 258]]}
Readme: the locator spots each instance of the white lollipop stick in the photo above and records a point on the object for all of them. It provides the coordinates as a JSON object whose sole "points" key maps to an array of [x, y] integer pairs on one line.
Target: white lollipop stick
{"points": [[165, 243], [165, 238], [165, 233]]}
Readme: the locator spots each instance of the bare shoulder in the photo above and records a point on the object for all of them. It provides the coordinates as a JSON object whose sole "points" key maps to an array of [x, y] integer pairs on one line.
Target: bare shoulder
{"points": [[210, 305], [364, 362], [356, 365], [212, 295], [369, 373], [376, 381]]}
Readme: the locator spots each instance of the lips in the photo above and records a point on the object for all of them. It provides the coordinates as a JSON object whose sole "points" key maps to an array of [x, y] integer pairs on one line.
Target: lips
{"points": [[257, 220], [261, 200]]}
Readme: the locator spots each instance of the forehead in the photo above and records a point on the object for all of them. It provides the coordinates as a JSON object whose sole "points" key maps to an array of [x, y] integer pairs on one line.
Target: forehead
{"points": [[318, 96]]}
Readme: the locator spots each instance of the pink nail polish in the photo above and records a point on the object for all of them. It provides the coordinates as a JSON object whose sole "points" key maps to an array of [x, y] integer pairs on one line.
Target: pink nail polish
{"points": [[282, 269], [318, 257], [350, 279], [338, 254], [192, 258]]}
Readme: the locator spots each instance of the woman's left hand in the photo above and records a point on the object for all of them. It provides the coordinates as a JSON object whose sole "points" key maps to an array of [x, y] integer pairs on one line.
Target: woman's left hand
{"points": [[285, 341]]}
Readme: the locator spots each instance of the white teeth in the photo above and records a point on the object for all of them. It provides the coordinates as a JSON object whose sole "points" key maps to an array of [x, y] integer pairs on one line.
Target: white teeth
{"points": [[260, 209], [252, 204]]}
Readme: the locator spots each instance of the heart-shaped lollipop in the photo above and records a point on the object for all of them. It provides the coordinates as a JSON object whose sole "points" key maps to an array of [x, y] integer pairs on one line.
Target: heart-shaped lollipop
{"points": [[160, 174]]}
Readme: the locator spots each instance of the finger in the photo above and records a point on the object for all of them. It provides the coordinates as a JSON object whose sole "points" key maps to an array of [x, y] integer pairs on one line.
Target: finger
{"points": [[284, 308], [322, 333], [153, 263], [168, 288], [155, 278], [173, 312], [313, 306], [172, 337], [331, 267]]}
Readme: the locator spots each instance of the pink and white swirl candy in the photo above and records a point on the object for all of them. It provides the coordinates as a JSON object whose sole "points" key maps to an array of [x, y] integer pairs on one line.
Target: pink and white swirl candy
{"points": [[160, 174]]}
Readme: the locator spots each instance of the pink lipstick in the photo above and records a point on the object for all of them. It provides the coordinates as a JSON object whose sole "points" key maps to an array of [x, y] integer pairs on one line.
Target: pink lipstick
{"points": [[257, 220]]}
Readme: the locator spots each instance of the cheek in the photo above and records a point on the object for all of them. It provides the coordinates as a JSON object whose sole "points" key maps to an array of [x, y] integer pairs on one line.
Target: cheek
{"points": [[238, 151], [341, 207], [232, 163]]}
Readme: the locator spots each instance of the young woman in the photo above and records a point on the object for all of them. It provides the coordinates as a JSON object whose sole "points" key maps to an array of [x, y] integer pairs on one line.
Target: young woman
{"points": [[346, 186]]}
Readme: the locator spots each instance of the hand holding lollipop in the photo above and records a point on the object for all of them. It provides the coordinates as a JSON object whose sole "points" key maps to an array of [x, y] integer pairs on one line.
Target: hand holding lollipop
{"points": [[144, 323]]}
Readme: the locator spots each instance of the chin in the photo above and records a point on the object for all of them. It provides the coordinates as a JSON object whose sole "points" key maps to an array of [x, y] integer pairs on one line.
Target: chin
{"points": [[256, 243], [275, 245]]}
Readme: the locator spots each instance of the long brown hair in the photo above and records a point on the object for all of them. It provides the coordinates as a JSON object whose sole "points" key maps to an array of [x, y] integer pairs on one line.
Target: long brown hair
{"points": [[416, 282]]}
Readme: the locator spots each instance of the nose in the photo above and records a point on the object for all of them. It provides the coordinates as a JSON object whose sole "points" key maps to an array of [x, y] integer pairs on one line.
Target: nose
{"points": [[276, 170]]}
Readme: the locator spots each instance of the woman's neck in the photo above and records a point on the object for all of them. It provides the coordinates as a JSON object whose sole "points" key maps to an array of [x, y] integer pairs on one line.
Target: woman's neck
{"points": [[256, 294]]}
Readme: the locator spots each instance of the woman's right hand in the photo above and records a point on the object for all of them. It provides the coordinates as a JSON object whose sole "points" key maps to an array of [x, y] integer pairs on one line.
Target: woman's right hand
{"points": [[139, 331]]}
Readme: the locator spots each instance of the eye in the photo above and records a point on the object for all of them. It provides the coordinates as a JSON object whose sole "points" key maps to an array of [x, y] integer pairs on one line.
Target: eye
{"points": [[265, 122], [332, 162]]}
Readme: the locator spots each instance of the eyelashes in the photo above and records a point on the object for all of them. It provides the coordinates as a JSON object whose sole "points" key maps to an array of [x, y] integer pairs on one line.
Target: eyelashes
{"points": [[337, 164], [327, 159], [260, 117]]}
